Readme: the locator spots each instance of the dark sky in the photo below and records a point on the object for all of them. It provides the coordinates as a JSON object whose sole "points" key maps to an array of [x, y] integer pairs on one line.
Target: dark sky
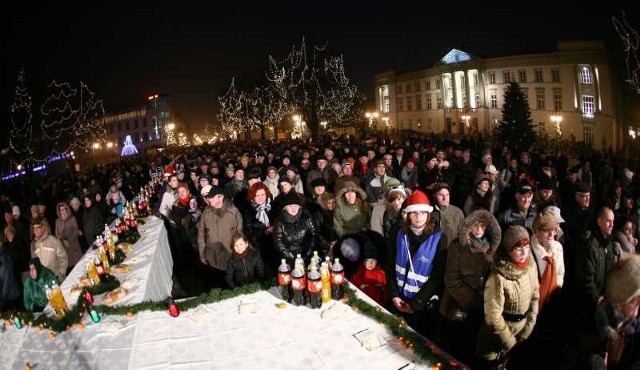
{"points": [[126, 51]]}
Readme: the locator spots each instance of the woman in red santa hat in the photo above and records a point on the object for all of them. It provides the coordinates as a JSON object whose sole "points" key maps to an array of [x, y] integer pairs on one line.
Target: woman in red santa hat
{"points": [[416, 264]]}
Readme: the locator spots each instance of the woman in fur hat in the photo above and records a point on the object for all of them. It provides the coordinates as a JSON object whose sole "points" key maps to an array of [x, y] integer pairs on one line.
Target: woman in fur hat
{"points": [[468, 264], [510, 299]]}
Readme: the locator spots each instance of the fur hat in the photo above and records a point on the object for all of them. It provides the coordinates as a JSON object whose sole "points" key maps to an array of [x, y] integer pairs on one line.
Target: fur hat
{"points": [[582, 187], [291, 198], [254, 172], [623, 280], [514, 236], [418, 201], [399, 188], [215, 190], [491, 169], [320, 181], [370, 250], [482, 177], [544, 221]]}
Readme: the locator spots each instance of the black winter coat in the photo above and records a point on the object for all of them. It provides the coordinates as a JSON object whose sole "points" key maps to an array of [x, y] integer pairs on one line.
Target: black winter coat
{"points": [[295, 234], [242, 271]]}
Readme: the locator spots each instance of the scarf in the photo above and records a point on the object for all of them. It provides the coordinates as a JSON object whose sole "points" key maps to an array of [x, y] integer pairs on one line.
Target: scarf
{"points": [[522, 265], [184, 202], [261, 212], [548, 282], [243, 255]]}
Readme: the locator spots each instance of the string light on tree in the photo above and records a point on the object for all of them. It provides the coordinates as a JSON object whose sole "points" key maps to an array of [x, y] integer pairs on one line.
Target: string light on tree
{"points": [[171, 136]]}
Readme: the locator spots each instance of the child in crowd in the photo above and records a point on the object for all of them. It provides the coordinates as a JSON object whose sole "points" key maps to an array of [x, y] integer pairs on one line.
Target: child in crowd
{"points": [[245, 265], [370, 277]]}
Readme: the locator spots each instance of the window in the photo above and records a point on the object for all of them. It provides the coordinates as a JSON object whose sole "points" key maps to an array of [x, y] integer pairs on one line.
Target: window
{"points": [[477, 100], [585, 76], [429, 125], [439, 102], [557, 101], [409, 103], [507, 77], [555, 75], [492, 77], [145, 136], [386, 105], [429, 103], [119, 126], [493, 100], [587, 133], [522, 75], [537, 75], [476, 80], [136, 137], [410, 124], [399, 89], [400, 104], [127, 125], [438, 82], [416, 85], [144, 122], [588, 106], [408, 87], [401, 124], [540, 99], [418, 102], [428, 85], [135, 124]]}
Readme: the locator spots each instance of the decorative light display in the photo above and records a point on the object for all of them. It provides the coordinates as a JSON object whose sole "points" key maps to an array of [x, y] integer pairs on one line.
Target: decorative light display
{"points": [[129, 148], [631, 40]]}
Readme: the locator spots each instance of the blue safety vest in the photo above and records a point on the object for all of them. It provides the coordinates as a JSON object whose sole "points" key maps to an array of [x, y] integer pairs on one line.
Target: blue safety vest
{"points": [[410, 280]]}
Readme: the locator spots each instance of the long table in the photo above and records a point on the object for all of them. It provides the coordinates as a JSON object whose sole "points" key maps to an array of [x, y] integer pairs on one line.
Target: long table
{"points": [[219, 335], [151, 267]]}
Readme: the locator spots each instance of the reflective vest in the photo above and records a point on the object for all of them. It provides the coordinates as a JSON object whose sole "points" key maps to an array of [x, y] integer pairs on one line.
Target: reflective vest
{"points": [[412, 272]]}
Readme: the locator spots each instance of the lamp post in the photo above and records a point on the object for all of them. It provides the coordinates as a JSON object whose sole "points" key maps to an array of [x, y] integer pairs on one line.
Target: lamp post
{"points": [[557, 119]]}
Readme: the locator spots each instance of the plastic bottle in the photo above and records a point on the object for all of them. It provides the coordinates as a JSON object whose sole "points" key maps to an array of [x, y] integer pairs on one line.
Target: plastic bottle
{"points": [[284, 280], [337, 279], [314, 286], [326, 282], [298, 285], [57, 301], [315, 261], [299, 262]]}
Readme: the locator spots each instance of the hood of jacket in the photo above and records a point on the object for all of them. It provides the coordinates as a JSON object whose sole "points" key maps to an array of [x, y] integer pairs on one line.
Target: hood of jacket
{"points": [[350, 186], [65, 205], [493, 232]]}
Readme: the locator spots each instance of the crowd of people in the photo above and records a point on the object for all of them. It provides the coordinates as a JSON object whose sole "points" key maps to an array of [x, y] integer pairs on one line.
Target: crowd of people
{"points": [[520, 259]]}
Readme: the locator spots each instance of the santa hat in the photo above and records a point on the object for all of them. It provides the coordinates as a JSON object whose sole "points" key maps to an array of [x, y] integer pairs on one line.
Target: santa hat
{"points": [[168, 171], [418, 202]]}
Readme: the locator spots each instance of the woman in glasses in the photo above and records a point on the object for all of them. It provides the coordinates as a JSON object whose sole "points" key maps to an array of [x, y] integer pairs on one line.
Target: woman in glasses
{"points": [[510, 299]]}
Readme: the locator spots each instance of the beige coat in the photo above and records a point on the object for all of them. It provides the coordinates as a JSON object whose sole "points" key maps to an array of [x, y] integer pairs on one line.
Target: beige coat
{"points": [[508, 290], [216, 227], [52, 254]]}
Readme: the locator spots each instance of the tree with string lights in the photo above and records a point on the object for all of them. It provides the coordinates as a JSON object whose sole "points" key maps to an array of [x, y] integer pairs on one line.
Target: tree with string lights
{"points": [[71, 119], [516, 130], [21, 123]]}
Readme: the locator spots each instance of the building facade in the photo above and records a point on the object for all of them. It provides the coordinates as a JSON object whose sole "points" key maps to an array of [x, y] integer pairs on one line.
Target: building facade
{"points": [[149, 125], [571, 91]]}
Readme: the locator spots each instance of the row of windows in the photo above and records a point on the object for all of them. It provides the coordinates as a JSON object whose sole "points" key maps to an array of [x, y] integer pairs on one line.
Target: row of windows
{"points": [[508, 76], [117, 126]]}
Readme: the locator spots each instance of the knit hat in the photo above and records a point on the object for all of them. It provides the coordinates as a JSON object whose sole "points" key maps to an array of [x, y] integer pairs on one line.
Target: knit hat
{"points": [[515, 236], [205, 190], [545, 221], [623, 280], [545, 183], [344, 163], [284, 178], [370, 250], [417, 202], [15, 210], [399, 188], [482, 177], [485, 157], [350, 249], [556, 212], [291, 198]]}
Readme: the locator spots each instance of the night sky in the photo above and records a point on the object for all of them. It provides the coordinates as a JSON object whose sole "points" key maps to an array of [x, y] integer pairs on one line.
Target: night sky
{"points": [[127, 51]]}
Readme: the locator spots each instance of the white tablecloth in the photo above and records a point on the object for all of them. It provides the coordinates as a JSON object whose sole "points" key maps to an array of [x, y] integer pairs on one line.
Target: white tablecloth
{"points": [[151, 267], [213, 336]]}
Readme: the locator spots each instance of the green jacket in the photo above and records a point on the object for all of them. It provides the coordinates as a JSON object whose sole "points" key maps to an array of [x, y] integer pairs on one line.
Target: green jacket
{"points": [[34, 290]]}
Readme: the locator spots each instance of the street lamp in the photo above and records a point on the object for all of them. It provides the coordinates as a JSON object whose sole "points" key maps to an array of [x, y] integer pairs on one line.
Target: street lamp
{"points": [[324, 125], [557, 119], [371, 116]]}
